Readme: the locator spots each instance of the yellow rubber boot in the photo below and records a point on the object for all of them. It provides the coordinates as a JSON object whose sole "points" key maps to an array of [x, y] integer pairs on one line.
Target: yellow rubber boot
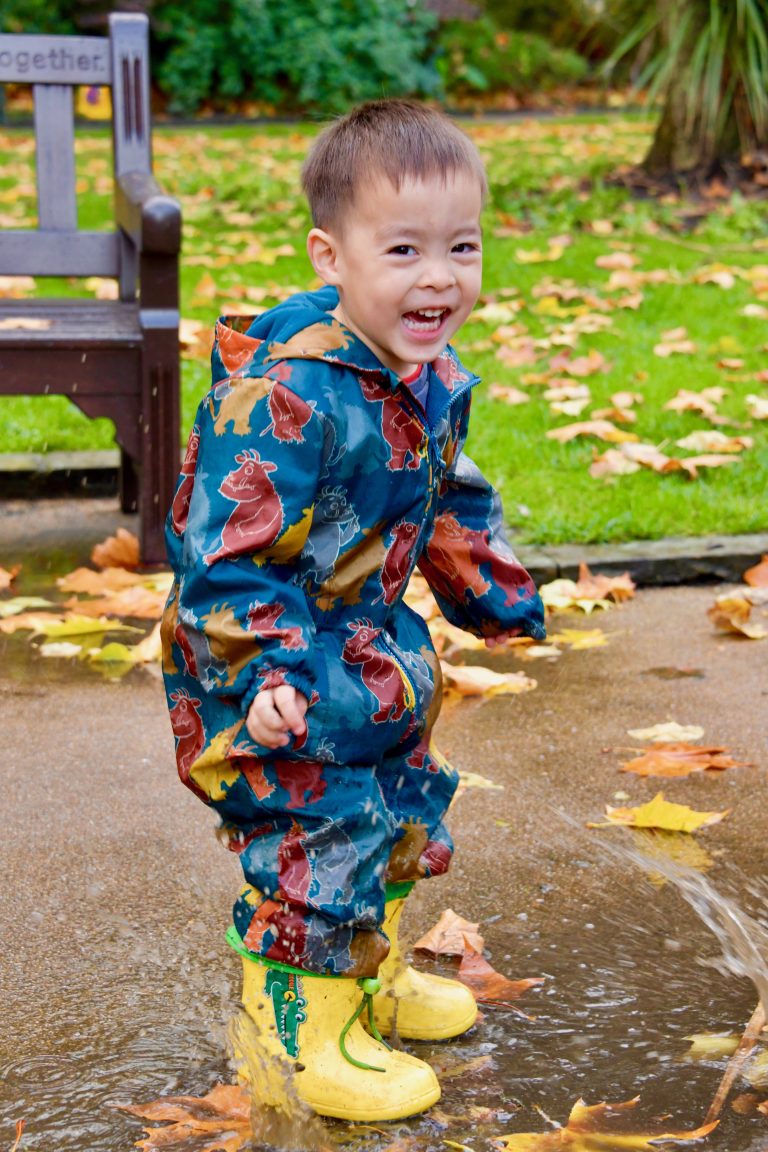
{"points": [[421, 1006], [307, 1027]]}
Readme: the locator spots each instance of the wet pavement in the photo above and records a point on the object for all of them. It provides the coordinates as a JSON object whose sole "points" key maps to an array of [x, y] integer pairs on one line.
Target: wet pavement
{"points": [[115, 981]]}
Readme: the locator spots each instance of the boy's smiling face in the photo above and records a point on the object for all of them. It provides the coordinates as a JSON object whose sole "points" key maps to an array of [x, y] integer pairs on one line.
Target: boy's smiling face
{"points": [[407, 263]]}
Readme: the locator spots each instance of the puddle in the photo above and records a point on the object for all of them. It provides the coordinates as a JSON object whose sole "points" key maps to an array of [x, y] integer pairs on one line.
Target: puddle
{"points": [[107, 1005]]}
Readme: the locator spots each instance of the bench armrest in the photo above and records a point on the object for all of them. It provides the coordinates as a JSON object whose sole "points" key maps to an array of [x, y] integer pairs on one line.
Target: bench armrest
{"points": [[147, 215]]}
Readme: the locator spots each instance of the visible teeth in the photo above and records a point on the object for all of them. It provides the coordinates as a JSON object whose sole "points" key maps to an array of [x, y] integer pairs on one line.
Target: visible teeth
{"points": [[430, 312]]}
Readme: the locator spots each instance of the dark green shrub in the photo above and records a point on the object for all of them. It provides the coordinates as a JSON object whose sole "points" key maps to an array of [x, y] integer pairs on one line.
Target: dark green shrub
{"points": [[479, 57], [321, 55]]}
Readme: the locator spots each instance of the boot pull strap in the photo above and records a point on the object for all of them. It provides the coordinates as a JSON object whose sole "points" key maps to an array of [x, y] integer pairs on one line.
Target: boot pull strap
{"points": [[369, 986]]}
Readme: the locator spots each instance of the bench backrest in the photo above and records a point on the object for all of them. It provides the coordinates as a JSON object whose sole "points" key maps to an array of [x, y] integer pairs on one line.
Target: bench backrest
{"points": [[54, 66]]}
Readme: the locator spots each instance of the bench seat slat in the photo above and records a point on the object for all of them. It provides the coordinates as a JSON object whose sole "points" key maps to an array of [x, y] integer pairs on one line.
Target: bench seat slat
{"points": [[44, 323]]}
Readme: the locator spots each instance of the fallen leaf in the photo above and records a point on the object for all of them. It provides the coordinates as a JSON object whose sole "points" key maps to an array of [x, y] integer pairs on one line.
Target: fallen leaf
{"points": [[29, 622], [660, 813], [19, 1132], [711, 1045], [487, 985], [19, 604], [136, 601], [533, 256], [731, 613], [73, 624], [118, 551], [8, 575], [602, 429], [222, 1116], [681, 760], [579, 640], [587, 365], [756, 1071], [757, 407], [704, 401], [60, 648], [614, 260], [597, 586], [480, 681], [475, 780], [91, 583], [691, 464], [710, 440], [667, 732], [451, 936], [679, 848], [586, 1132], [508, 394], [666, 348], [757, 576], [24, 323], [612, 462]]}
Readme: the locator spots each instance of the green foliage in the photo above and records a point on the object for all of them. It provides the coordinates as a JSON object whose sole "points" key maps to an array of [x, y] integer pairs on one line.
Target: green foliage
{"points": [[320, 55], [478, 57], [45, 16], [709, 60]]}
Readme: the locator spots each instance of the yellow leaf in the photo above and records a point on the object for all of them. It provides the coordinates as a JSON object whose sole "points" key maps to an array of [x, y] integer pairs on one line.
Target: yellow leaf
{"points": [[579, 640], [668, 733], [74, 625], [601, 429], [586, 1131], [475, 780], [661, 813], [20, 603], [711, 1045], [480, 681]]}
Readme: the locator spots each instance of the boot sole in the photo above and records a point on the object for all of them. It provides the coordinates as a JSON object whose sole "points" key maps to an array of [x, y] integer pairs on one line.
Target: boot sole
{"points": [[369, 1115]]}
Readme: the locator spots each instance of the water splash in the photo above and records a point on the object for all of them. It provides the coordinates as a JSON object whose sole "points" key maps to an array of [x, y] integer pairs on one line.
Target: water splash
{"points": [[743, 939]]}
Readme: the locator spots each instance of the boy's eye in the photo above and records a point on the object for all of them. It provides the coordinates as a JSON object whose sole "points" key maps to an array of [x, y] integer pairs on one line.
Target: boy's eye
{"points": [[466, 246], [402, 250]]}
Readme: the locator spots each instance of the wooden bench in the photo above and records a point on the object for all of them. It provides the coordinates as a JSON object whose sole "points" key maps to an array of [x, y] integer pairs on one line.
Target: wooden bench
{"points": [[115, 358]]}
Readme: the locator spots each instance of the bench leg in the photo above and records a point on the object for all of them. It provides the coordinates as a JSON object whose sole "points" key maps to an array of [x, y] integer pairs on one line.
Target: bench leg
{"points": [[160, 451], [128, 483]]}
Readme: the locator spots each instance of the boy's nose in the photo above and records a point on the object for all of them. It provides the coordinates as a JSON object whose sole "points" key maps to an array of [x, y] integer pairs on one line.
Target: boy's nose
{"points": [[438, 274]]}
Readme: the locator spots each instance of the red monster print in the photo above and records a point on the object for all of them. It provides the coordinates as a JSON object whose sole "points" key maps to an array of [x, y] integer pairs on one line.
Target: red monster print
{"points": [[298, 777], [263, 618], [381, 674], [289, 415], [180, 506], [188, 729], [293, 867], [235, 349], [395, 570], [257, 518], [402, 431], [449, 372], [421, 759], [450, 550]]}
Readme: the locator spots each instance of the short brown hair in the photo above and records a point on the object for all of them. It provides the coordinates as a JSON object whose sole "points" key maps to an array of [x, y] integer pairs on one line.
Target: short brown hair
{"points": [[398, 138]]}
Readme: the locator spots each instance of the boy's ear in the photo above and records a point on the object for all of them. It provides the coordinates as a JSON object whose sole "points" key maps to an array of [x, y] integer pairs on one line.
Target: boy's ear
{"points": [[323, 254]]}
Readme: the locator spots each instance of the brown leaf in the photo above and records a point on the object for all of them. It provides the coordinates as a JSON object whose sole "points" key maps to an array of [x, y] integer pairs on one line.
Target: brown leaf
{"points": [[681, 759], [224, 1114], [8, 575], [731, 613], [616, 260], [757, 577], [91, 583], [118, 551], [704, 401], [138, 602], [587, 365], [489, 986], [602, 429], [451, 936], [594, 586], [692, 464]]}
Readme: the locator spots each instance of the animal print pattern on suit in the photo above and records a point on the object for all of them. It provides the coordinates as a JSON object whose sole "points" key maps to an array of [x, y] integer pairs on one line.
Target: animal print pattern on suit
{"points": [[312, 487]]}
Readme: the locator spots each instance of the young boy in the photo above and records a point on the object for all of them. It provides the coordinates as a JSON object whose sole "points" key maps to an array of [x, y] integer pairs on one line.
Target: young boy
{"points": [[326, 463]]}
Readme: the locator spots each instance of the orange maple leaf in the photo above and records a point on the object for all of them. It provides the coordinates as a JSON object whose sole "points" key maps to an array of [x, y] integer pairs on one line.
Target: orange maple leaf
{"points": [[757, 577], [118, 551], [223, 1115], [681, 759], [486, 984], [451, 936]]}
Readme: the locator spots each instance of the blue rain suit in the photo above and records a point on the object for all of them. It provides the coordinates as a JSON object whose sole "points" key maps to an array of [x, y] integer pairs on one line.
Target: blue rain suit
{"points": [[314, 484]]}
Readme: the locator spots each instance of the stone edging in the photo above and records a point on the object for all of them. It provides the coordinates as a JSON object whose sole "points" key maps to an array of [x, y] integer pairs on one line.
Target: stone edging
{"points": [[674, 560]]}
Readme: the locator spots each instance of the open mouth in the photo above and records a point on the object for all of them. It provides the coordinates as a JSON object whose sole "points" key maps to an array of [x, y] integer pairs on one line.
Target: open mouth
{"points": [[425, 319]]}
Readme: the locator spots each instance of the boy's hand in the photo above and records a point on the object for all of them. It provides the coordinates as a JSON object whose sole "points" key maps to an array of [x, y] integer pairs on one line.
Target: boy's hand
{"points": [[274, 713]]}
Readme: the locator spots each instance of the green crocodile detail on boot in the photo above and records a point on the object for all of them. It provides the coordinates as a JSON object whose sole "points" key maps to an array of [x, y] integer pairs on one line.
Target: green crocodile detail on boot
{"points": [[288, 1001]]}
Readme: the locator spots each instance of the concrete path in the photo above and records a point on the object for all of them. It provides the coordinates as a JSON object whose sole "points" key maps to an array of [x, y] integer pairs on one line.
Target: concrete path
{"points": [[115, 984]]}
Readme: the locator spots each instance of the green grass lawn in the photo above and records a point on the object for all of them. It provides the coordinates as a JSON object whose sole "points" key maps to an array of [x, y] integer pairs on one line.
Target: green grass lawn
{"points": [[550, 217]]}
